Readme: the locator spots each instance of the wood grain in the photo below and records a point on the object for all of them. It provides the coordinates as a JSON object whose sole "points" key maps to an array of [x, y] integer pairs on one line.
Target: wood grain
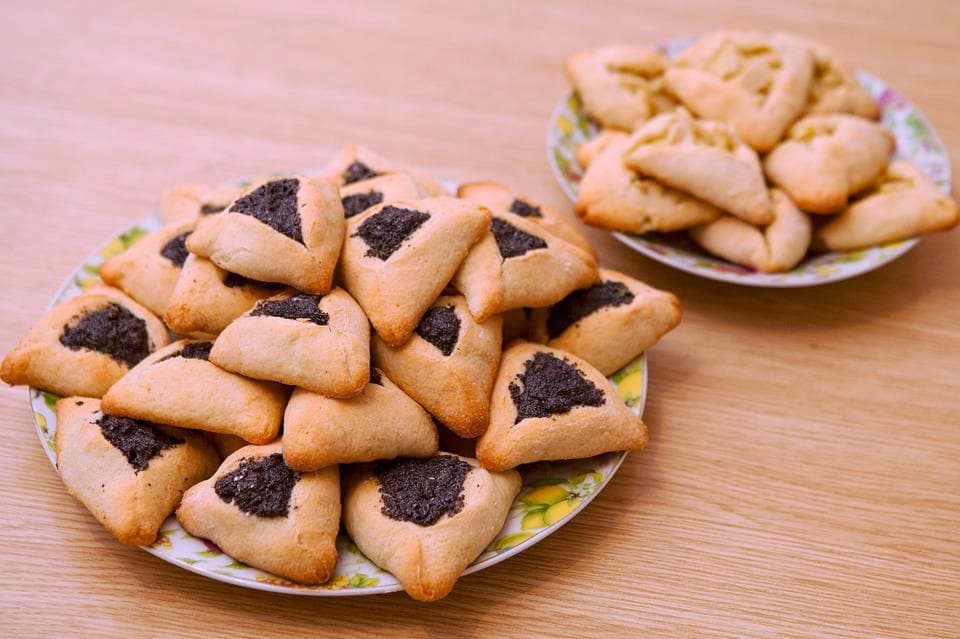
{"points": [[803, 474]]}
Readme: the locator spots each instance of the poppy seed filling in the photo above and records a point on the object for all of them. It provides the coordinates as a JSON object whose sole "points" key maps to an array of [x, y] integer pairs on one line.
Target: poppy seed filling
{"points": [[359, 202], [422, 490], [525, 209], [274, 204], [176, 249], [295, 307], [232, 280], [550, 385], [441, 327], [384, 231], [138, 440], [511, 241], [357, 172], [260, 487], [193, 350], [112, 330], [585, 301]]}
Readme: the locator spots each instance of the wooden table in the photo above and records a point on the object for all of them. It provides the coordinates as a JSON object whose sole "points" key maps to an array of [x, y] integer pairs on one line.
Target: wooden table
{"points": [[804, 472]]}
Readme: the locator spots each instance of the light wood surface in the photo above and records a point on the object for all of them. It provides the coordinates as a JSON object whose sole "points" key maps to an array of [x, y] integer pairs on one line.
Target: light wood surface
{"points": [[803, 477]]}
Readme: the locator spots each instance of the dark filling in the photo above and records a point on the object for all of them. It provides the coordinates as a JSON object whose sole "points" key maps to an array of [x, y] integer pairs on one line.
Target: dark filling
{"points": [[360, 202], [274, 204], [176, 249], [112, 330], [138, 440], [385, 231], [232, 280], [210, 209], [299, 306], [358, 171], [261, 487], [525, 209], [422, 490], [552, 386], [513, 242], [375, 376], [441, 327], [194, 350], [577, 305]]}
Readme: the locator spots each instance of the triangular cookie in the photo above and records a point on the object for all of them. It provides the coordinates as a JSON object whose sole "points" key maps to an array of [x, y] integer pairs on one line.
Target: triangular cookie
{"points": [[548, 404], [206, 298], [84, 344], [321, 343], [148, 271], [518, 263], [449, 364], [827, 158], [188, 202], [835, 87], [354, 164], [620, 86], [382, 422], [129, 474], [615, 197], [902, 203], [705, 159], [610, 323], [426, 520], [777, 247], [177, 385], [360, 196], [500, 199], [398, 257], [286, 230], [265, 514], [754, 82]]}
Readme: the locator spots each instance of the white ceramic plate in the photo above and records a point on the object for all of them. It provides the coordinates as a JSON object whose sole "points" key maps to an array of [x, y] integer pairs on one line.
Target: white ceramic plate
{"points": [[552, 492], [917, 142]]}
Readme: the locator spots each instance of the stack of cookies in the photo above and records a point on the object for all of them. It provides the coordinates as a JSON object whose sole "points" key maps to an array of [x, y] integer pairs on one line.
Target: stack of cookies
{"points": [[760, 147], [333, 338]]}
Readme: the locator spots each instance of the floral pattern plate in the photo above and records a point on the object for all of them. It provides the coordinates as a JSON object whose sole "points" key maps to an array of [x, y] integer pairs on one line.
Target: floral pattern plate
{"points": [[552, 492], [917, 142]]}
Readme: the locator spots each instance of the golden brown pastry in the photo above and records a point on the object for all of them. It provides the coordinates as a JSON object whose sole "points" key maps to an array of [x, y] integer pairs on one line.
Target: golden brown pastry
{"points": [[398, 258], [360, 196], [206, 298], [129, 474], [178, 385], [835, 87], [426, 520], [608, 324], [827, 158], [705, 159], [901, 204], [188, 202], [148, 270], [353, 164], [548, 404], [615, 197], [518, 263], [265, 514], [620, 86], [382, 422], [84, 344], [318, 342], [777, 247], [449, 364], [500, 199], [754, 82], [286, 230]]}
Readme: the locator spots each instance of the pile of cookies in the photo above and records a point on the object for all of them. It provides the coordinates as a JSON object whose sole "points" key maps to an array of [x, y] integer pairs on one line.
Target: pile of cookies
{"points": [[335, 337], [761, 147]]}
